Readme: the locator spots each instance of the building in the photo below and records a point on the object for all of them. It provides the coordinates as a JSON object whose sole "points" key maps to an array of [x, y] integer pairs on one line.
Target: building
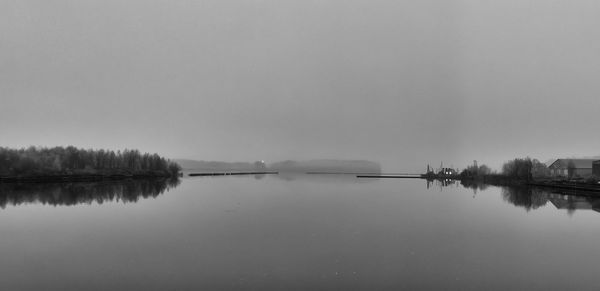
{"points": [[447, 172], [571, 167], [596, 168]]}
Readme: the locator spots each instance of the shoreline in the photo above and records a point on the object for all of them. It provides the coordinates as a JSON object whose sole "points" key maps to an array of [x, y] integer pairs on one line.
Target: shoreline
{"points": [[591, 189]]}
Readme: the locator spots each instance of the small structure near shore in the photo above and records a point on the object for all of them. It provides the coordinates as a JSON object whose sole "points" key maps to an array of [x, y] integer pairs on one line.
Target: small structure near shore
{"points": [[447, 172], [442, 173]]}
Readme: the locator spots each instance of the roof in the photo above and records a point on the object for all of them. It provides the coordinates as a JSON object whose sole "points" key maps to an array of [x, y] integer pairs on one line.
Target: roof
{"points": [[579, 163]]}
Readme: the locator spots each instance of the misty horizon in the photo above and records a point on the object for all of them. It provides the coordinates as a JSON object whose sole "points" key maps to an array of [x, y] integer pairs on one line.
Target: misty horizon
{"points": [[405, 83], [299, 145]]}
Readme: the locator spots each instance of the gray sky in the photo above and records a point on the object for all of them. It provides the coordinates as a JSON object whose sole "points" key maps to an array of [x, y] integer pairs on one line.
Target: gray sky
{"points": [[404, 83]]}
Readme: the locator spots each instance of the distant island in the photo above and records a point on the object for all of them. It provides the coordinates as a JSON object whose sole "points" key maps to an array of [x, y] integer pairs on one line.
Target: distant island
{"points": [[218, 166], [41, 164], [327, 166], [289, 166]]}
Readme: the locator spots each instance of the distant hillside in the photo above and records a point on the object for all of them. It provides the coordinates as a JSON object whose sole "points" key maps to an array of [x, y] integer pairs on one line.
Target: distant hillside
{"points": [[216, 166], [328, 166]]}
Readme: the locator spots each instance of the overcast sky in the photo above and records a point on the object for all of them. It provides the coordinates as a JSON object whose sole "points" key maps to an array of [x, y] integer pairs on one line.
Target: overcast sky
{"points": [[404, 83]]}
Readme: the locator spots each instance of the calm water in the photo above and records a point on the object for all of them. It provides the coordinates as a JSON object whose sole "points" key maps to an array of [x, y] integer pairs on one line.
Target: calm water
{"points": [[295, 233]]}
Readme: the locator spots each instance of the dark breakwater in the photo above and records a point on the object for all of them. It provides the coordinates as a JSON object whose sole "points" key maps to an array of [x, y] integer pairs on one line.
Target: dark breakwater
{"points": [[231, 173]]}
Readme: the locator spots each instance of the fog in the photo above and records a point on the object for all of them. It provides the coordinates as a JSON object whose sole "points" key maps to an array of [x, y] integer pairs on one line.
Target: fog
{"points": [[403, 83]]}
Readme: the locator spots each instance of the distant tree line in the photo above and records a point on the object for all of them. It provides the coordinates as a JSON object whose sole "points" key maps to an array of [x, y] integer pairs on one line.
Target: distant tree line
{"points": [[525, 168], [36, 161], [475, 171], [519, 169]]}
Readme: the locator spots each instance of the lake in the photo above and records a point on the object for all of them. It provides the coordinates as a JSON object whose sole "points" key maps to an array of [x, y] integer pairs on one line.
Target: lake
{"points": [[295, 232]]}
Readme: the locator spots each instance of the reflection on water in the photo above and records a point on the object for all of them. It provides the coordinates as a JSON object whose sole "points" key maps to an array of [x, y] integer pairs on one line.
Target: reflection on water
{"points": [[292, 176], [127, 191], [525, 197], [83, 192], [534, 198], [328, 232], [474, 185], [441, 183], [530, 197], [571, 203]]}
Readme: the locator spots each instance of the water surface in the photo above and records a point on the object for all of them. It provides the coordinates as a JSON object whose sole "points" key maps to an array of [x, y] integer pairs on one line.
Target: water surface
{"points": [[295, 233]]}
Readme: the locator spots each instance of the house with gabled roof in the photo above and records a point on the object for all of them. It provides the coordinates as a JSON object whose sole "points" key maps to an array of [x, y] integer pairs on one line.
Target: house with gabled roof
{"points": [[571, 167]]}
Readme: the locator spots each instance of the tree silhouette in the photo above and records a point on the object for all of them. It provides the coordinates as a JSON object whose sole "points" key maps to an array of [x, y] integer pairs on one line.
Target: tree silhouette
{"points": [[39, 161]]}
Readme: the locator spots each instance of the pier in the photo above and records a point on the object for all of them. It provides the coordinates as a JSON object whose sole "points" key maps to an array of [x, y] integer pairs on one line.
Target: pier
{"points": [[230, 173], [397, 176]]}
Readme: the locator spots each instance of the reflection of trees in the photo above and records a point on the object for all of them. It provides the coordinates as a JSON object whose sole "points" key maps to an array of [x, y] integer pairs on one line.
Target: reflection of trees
{"points": [[526, 197], [531, 197], [83, 192], [475, 185]]}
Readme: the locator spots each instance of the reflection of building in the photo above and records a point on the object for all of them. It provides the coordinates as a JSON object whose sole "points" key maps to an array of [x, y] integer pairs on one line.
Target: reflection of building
{"points": [[571, 167], [574, 202]]}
